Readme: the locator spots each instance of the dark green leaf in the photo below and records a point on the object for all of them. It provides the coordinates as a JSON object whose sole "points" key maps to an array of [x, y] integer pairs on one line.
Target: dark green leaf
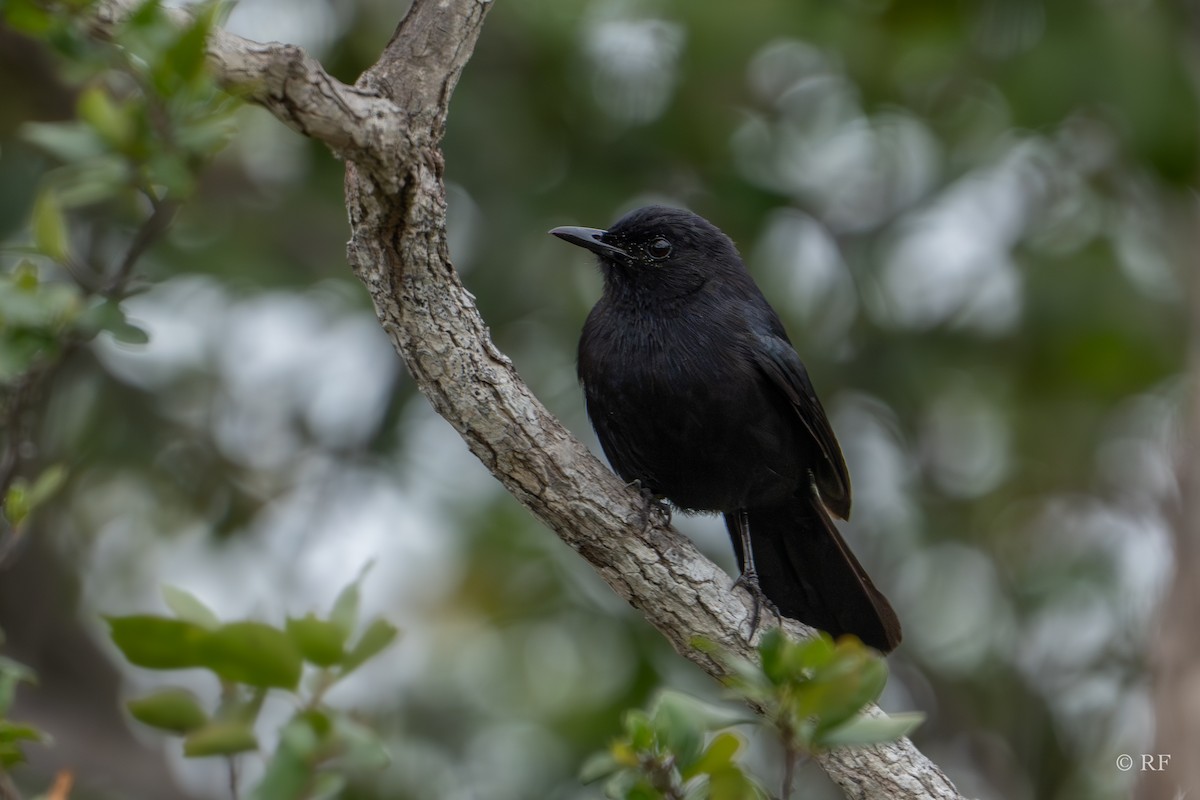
{"points": [[12, 734], [717, 756], [379, 634], [840, 689], [597, 767], [183, 61], [174, 710], [288, 772], [320, 642], [639, 730], [158, 642], [731, 783], [871, 730], [97, 109], [67, 141], [28, 18], [252, 653], [679, 726], [50, 227], [220, 738]]}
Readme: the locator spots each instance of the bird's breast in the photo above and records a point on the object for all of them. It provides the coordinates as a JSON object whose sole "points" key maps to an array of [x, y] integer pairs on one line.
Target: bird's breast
{"points": [[677, 404]]}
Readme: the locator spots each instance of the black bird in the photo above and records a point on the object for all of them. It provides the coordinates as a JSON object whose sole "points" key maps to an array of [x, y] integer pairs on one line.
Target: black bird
{"points": [[696, 393]]}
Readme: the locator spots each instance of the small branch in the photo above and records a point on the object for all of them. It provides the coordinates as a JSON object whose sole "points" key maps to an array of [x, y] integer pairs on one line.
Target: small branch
{"points": [[8, 790], [356, 123], [147, 234]]}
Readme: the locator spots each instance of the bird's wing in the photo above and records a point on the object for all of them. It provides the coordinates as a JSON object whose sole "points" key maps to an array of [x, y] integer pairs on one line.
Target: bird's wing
{"points": [[776, 358]]}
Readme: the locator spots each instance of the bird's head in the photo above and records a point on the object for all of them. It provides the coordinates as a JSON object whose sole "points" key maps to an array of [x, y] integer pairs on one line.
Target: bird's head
{"points": [[661, 251]]}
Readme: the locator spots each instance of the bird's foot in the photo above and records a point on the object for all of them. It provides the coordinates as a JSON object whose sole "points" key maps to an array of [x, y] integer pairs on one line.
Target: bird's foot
{"points": [[651, 504], [749, 582]]}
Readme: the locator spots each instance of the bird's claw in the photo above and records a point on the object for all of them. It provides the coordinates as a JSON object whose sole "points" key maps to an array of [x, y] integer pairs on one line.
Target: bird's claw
{"points": [[651, 503], [749, 582]]}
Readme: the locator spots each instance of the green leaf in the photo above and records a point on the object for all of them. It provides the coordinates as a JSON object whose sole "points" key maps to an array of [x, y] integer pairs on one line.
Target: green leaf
{"points": [[717, 756], [865, 730], [90, 180], [67, 141], [377, 637], [189, 608], [221, 738], [109, 316], [22, 499], [174, 710], [172, 172], [639, 730], [12, 734], [288, 772], [29, 303], [16, 502], [678, 726], [252, 653], [842, 688], [362, 749], [11, 674], [158, 642], [97, 109], [597, 767], [320, 642], [29, 19], [731, 783], [18, 732], [745, 677], [245, 710], [47, 484], [50, 227], [345, 607], [786, 660], [327, 785], [183, 61]]}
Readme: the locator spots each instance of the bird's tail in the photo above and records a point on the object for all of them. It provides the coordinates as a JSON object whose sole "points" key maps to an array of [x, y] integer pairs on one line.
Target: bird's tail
{"points": [[808, 572]]}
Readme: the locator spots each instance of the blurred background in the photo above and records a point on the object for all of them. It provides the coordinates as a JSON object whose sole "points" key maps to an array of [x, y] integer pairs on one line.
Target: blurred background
{"points": [[977, 220]]}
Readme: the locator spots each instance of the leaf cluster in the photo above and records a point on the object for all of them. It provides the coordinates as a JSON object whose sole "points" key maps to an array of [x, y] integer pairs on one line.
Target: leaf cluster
{"points": [[319, 747], [14, 734], [680, 748], [812, 693]]}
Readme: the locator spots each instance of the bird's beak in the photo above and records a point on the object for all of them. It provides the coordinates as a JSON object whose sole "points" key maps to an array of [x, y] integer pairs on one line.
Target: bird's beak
{"points": [[589, 239]]}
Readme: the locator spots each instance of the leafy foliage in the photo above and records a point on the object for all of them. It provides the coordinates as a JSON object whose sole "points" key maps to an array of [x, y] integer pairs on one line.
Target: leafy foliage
{"points": [[148, 117], [679, 748], [319, 746], [812, 693], [814, 690], [13, 734]]}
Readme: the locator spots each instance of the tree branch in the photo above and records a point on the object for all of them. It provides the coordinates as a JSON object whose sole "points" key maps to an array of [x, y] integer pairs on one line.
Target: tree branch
{"points": [[388, 128], [292, 85]]}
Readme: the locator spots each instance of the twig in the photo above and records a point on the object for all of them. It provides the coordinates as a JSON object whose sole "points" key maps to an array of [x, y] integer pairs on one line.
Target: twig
{"points": [[8, 790]]}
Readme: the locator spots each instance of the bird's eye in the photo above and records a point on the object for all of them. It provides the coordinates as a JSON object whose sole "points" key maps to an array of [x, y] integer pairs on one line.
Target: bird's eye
{"points": [[659, 248]]}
